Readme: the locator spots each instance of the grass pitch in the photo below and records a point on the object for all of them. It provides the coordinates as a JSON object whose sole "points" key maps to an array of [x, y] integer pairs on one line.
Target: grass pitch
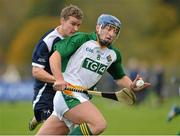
{"points": [[149, 118]]}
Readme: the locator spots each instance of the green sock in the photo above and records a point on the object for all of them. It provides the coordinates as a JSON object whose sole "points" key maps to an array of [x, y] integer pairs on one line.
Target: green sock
{"points": [[81, 129]]}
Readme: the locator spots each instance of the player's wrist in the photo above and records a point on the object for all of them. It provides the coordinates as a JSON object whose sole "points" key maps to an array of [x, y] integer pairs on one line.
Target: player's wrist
{"points": [[59, 77], [132, 87]]}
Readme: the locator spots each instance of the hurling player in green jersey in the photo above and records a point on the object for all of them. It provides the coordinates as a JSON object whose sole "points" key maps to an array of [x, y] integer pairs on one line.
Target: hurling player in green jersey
{"points": [[80, 61]]}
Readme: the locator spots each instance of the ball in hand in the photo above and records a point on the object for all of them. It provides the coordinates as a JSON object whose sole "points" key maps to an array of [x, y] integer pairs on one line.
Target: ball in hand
{"points": [[139, 83]]}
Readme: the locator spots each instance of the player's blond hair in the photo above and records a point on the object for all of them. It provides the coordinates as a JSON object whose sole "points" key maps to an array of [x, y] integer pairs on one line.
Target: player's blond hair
{"points": [[73, 11]]}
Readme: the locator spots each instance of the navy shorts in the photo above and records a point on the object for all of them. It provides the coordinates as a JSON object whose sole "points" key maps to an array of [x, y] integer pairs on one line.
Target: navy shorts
{"points": [[42, 115]]}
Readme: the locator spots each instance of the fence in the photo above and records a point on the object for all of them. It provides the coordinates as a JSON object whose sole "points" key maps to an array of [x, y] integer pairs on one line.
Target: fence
{"points": [[16, 91]]}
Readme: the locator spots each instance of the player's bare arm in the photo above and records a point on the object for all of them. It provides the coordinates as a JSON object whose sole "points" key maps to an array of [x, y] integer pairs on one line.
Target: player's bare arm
{"points": [[127, 83], [124, 82], [41, 74], [55, 64]]}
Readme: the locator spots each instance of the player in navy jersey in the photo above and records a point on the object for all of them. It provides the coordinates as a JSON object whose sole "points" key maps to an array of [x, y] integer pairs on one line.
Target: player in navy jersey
{"points": [[70, 20]]}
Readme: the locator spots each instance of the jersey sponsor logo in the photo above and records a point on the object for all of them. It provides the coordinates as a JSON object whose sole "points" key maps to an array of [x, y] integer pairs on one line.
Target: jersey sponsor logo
{"points": [[89, 50], [41, 60], [94, 66]]}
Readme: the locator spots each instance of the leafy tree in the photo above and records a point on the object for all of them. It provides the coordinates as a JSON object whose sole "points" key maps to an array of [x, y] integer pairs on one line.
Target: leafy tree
{"points": [[24, 42], [150, 28], [46, 7]]}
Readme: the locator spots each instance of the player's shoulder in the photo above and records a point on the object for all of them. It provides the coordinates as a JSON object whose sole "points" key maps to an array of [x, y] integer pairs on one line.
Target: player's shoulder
{"points": [[84, 35], [116, 51], [81, 33], [50, 32]]}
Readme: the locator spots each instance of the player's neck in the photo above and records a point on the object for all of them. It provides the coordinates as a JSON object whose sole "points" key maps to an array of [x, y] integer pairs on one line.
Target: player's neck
{"points": [[101, 46], [60, 31]]}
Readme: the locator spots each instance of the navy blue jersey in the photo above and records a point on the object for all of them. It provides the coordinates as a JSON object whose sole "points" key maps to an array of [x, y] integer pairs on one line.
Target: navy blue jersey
{"points": [[43, 92]]}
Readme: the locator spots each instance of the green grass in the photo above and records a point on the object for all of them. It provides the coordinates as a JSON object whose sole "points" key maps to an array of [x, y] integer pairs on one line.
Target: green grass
{"points": [[145, 119]]}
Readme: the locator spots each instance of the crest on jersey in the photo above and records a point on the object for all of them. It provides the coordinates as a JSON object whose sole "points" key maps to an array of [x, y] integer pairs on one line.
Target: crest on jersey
{"points": [[109, 58]]}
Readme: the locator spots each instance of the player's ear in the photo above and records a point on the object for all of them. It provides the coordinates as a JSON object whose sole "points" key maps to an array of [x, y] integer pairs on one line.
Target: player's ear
{"points": [[62, 20], [97, 28]]}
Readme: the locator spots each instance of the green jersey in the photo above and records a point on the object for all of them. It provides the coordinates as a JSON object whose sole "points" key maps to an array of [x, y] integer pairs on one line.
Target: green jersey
{"points": [[84, 61]]}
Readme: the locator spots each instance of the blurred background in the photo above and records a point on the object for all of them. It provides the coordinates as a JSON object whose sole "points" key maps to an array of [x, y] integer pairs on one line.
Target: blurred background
{"points": [[149, 43]]}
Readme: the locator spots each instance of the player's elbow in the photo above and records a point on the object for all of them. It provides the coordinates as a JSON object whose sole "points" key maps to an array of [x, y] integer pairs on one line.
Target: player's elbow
{"points": [[35, 72]]}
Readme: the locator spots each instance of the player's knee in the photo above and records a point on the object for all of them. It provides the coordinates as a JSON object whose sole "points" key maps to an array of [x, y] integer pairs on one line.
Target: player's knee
{"points": [[99, 127]]}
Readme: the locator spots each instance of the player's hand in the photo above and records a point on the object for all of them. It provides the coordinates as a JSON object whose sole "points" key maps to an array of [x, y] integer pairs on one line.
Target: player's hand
{"points": [[135, 88], [59, 85]]}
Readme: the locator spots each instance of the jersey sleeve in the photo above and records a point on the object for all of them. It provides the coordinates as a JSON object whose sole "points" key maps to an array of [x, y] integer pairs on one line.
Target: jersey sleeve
{"points": [[116, 69], [68, 46], [40, 55]]}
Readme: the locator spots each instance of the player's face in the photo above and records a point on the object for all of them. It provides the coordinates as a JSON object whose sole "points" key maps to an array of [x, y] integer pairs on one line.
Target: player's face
{"points": [[108, 33], [70, 26]]}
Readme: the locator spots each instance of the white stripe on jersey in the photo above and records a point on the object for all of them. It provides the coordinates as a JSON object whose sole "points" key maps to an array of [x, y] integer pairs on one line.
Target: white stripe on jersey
{"points": [[49, 39], [86, 66], [39, 95], [38, 65]]}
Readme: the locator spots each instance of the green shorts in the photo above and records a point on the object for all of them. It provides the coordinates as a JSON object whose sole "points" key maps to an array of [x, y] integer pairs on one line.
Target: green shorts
{"points": [[64, 102]]}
